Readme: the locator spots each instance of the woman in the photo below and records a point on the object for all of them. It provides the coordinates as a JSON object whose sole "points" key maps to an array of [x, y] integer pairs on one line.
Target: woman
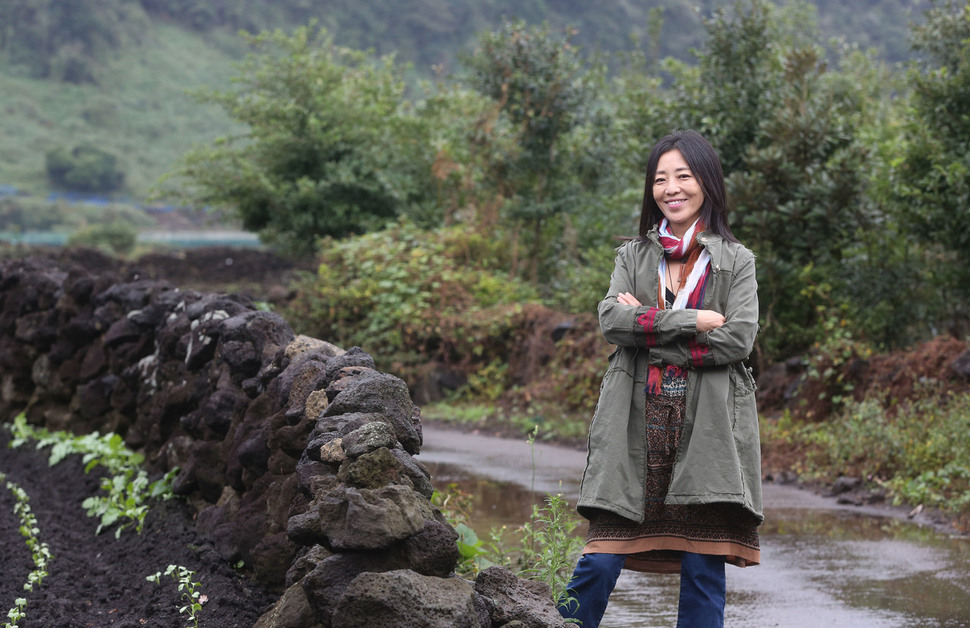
{"points": [[673, 475]]}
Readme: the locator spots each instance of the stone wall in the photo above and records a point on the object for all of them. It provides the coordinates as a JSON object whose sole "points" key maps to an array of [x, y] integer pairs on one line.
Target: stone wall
{"points": [[296, 454]]}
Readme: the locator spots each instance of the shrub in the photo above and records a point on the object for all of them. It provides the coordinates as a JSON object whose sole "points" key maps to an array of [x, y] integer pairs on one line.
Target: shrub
{"points": [[117, 237], [84, 168], [918, 448], [411, 297]]}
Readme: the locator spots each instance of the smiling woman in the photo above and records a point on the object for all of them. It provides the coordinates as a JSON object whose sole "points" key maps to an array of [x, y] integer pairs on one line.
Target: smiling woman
{"points": [[672, 482]]}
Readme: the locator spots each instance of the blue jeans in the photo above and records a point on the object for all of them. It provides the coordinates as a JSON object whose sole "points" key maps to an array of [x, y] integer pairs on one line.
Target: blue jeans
{"points": [[702, 589]]}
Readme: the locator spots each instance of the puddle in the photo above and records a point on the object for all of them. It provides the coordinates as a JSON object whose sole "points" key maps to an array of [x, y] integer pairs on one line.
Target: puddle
{"points": [[822, 564]]}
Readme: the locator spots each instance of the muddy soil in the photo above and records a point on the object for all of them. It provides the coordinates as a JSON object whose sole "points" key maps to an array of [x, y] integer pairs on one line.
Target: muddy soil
{"points": [[98, 580]]}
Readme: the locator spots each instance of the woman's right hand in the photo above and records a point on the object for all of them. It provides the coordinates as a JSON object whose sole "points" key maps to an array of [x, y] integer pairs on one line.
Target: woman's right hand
{"points": [[709, 320]]}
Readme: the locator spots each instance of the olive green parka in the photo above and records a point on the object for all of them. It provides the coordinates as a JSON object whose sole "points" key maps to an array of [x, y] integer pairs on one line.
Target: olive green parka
{"points": [[719, 457]]}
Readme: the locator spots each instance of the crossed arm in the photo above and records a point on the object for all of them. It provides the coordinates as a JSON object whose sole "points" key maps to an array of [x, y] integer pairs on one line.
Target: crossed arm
{"points": [[707, 320], [686, 337]]}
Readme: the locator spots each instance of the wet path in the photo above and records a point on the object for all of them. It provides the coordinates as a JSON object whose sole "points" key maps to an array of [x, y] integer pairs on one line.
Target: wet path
{"points": [[823, 564]]}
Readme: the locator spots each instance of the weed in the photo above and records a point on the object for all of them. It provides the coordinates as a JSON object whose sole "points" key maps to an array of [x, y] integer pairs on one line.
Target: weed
{"points": [[547, 547], [191, 595], [126, 486], [550, 547]]}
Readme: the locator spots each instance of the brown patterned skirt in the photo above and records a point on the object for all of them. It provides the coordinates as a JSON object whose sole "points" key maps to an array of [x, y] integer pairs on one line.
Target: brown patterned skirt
{"points": [[719, 529]]}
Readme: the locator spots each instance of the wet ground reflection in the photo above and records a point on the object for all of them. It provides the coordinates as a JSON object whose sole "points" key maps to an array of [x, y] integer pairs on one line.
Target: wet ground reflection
{"points": [[820, 567]]}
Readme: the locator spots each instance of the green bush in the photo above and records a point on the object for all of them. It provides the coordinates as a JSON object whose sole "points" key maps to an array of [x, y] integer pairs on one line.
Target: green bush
{"points": [[410, 297], [117, 237], [19, 214], [84, 168]]}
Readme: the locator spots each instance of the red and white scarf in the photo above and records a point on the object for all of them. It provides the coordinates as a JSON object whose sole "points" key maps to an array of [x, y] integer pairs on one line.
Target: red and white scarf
{"points": [[696, 264]]}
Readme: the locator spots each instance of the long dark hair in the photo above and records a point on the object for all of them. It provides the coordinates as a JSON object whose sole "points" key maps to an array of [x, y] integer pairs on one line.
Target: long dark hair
{"points": [[703, 161]]}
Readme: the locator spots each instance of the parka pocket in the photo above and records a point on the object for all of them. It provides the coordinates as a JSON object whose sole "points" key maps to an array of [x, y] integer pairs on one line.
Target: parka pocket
{"points": [[743, 385], [742, 377]]}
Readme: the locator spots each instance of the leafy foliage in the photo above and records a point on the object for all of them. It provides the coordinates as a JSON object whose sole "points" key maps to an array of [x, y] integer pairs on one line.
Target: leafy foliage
{"points": [[126, 484], [117, 237], [932, 181], [39, 551], [84, 168], [408, 296], [540, 139], [916, 448], [547, 548], [188, 588], [328, 150], [550, 548]]}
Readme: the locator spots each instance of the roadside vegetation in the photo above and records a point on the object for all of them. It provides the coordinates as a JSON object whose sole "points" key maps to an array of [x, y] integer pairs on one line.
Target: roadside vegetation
{"points": [[916, 450], [544, 549]]}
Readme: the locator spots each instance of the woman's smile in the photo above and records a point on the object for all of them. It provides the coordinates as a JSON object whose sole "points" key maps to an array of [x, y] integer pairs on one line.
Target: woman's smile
{"points": [[678, 192]]}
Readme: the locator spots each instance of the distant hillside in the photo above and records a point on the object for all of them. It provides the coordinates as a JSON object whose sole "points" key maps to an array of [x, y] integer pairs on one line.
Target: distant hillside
{"points": [[429, 32], [113, 73]]}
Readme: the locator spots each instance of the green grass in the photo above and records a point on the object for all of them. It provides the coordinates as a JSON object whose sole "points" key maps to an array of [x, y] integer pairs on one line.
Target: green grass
{"points": [[918, 450], [140, 112]]}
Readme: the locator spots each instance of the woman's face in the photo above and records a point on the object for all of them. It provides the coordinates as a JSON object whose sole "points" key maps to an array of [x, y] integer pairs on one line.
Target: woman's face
{"points": [[677, 191]]}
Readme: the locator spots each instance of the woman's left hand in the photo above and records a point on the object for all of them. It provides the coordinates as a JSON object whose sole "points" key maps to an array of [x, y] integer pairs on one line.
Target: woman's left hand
{"points": [[627, 299]]}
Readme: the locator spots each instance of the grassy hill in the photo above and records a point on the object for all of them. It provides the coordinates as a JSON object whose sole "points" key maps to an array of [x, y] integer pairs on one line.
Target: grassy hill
{"points": [[139, 110], [114, 74]]}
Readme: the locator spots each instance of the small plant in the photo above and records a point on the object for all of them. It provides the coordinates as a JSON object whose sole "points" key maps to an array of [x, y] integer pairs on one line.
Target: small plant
{"points": [[193, 598], [835, 348], [455, 504], [39, 551], [126, 487], [549, 547], [16, 613]]}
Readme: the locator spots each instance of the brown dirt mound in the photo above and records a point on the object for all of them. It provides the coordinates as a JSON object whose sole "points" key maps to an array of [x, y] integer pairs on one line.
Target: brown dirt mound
{"points": [[928, 368], [901, 373]]}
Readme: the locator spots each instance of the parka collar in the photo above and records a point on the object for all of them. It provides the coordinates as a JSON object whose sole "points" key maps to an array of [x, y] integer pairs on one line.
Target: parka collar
{"points": [[708, 239]]}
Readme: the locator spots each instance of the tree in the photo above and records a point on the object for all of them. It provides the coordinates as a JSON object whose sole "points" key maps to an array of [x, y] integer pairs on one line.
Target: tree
{"points": [[542, 142], [84, 168], [932, 181], [329, 147]]}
